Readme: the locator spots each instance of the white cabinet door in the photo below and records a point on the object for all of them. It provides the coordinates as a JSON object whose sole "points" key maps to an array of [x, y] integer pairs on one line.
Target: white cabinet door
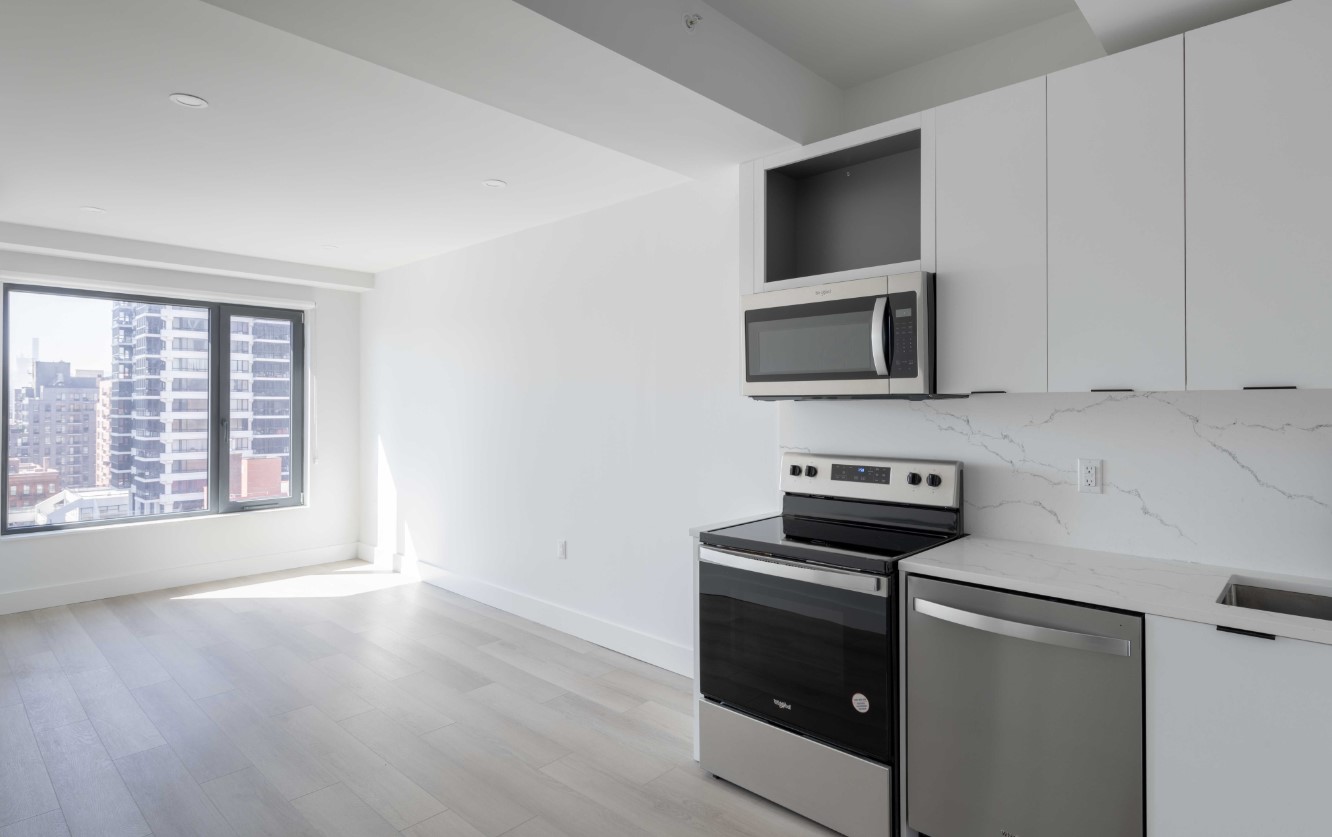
{"points": [[1259, 167], [990, 238], [1238, 733], [1116, 204]]}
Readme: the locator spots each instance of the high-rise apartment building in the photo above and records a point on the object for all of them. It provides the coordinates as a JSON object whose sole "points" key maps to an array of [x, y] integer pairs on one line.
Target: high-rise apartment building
{"points": [[158, 408], [103, 421], [58, 420]]}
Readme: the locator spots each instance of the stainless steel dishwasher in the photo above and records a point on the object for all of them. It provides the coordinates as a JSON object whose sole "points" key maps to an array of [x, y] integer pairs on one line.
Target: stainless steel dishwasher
{"points": [[1023, 715]]}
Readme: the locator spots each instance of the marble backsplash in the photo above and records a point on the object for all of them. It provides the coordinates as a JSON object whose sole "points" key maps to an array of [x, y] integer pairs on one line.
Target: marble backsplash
{"points": [[1241, 479]]}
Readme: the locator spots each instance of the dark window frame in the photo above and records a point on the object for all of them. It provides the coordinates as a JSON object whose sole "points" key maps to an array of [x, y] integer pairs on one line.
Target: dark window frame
{"points": [[219, 397]]}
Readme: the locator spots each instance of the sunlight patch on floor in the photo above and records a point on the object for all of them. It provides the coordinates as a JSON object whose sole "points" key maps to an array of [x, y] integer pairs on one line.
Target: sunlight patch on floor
{"points": [[338, 584]]}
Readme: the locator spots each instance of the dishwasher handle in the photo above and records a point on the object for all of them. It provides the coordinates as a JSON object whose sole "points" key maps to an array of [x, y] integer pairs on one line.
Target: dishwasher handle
{"points": [[1022, 630]]}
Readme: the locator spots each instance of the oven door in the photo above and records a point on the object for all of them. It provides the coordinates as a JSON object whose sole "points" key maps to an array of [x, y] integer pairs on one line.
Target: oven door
{"points": [[803, 646], [822, 341]]}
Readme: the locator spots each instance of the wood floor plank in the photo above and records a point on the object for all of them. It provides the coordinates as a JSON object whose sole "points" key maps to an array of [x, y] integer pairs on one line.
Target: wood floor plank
{"points": [[268, 694], [537, 827], [337, 812], [383, 694], [171, 801], [115, 714], [641, 687], [254, 808], [334, 699], [479, 802], [46, 691], [655, 811], [50, 824], [493, 668], [68, 640], [20, 637], [628, 728], [642, 669], [187, 666], [119, 645], [92, 794], [9, 690], [555, 802], [201, 745], [382, 662], [25, 789], [667, 721], [572, 681], [292, 770], [447, 824], [426, 659], [136, 616], [396, 798], [525, 741], [592, 741]]}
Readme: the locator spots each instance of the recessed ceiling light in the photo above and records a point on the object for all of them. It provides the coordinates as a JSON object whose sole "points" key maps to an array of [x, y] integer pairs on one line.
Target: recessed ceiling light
{"points": [[188, 100], [494, 184], [96, 210]]}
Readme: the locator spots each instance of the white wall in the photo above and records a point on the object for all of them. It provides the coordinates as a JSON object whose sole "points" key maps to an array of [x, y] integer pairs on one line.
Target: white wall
{"points": [[43, 569], [1230, 478], [576, 381], [1037, 50]]}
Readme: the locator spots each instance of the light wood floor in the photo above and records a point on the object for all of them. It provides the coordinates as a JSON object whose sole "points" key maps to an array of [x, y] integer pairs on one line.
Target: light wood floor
{"points": [[339, 701]]}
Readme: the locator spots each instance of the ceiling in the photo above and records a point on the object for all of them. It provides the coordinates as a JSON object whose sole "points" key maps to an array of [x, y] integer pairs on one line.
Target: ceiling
{"points": [[305, 154], [850, 42]]}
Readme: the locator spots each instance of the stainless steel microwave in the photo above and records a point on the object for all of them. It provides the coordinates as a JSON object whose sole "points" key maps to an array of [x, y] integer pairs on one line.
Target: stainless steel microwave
{"points": [[865, 338]]}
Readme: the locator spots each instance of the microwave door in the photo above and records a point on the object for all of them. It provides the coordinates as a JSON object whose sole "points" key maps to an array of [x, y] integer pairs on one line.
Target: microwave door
{"points": [[828, 348]]}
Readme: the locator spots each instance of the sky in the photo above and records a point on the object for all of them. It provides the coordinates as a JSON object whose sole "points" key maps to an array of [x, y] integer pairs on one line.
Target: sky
{"points": [[70, 328]]}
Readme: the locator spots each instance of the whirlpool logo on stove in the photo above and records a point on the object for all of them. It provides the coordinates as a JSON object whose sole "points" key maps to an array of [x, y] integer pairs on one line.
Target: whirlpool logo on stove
{"points": [[1004, 832], [781, 704]]}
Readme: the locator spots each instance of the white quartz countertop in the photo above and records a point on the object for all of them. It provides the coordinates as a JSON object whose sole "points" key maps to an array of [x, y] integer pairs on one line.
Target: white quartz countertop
{"points": [[1152, 586]]}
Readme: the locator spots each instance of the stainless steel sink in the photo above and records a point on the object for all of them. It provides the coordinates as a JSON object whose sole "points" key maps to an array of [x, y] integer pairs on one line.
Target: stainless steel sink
{"points": [[1256, 595]]}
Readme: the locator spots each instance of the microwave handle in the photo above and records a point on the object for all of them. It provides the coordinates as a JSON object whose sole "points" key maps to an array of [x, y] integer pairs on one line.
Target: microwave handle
{"points": [[877, 325]]}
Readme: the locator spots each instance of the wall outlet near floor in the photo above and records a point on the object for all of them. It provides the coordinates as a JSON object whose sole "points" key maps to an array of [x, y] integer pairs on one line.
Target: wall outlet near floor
{"points": [[562, 551], [1089, 476]]}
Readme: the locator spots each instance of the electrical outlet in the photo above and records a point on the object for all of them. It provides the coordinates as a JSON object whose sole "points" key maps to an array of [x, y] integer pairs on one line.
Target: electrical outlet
{"points": [[1089, 476], [562, 551]]}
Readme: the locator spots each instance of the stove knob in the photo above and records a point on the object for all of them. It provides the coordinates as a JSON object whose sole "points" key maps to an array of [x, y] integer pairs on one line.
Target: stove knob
{"points": [[811, 471], [913, 479], [796, 470], [934, 480]]}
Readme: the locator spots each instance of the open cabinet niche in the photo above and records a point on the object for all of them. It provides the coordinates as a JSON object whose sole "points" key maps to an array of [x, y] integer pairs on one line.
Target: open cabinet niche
{"points": [[848, 210]]}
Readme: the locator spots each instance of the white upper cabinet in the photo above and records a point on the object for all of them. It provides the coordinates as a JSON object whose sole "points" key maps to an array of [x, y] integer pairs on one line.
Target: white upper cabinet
{"points": [[990, 233], [1116, 204], [1238, 733], [1259, 166]]}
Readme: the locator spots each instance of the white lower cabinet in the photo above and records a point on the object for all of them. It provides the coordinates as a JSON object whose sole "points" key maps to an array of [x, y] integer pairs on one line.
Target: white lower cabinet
{"points": [[1239, 734]]}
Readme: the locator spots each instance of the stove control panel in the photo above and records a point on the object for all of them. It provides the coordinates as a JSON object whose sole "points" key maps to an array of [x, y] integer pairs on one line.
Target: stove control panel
{"points": [[919, 482]]}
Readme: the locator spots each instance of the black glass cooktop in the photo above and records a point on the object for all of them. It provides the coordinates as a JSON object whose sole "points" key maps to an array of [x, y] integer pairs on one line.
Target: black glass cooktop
{"points": [[857, 547]]}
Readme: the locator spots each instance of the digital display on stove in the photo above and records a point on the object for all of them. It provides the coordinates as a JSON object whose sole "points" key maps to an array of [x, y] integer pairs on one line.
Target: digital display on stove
{"points": [[860, 473]]}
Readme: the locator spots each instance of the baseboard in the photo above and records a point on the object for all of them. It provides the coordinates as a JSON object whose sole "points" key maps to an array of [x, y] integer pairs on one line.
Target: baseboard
{"points": [[124, 585], [650, 649]]}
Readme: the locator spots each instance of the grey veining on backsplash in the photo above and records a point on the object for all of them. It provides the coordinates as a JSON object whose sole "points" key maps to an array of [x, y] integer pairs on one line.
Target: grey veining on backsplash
{"points": [[1241, 479]]}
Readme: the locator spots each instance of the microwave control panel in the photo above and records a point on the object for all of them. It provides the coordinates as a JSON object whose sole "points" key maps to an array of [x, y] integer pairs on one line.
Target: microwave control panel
{"points": [[902, 309]]}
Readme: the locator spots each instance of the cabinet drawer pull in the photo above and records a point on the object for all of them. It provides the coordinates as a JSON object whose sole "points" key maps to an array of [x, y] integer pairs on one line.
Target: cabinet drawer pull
{"points": [[1284, 386], [1113, 389], [1242, 632], [989, 391]]}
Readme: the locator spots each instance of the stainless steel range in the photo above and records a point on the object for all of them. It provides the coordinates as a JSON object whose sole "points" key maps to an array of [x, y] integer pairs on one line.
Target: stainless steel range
{"points": [[797, 640]]}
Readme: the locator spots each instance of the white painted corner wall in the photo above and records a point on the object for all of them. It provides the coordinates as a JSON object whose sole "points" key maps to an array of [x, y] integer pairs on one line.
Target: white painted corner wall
{"points": [[578, 382], [53, 568]]}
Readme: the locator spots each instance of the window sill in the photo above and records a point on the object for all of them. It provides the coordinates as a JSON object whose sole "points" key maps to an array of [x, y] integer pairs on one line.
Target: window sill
{"points": [[135, 524]]}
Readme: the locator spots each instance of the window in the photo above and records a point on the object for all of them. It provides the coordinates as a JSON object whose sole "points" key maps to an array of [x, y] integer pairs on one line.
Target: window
{"points": [[129, 412]]}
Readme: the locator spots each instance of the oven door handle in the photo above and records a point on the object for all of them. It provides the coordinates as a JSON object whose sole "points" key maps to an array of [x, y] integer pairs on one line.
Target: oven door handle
{"points": [[840, 579], [877, 326], [1022, 630]]}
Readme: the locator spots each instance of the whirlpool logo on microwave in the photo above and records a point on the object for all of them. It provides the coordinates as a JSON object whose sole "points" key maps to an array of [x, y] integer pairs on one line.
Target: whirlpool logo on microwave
{"points": [[781, 704]]}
